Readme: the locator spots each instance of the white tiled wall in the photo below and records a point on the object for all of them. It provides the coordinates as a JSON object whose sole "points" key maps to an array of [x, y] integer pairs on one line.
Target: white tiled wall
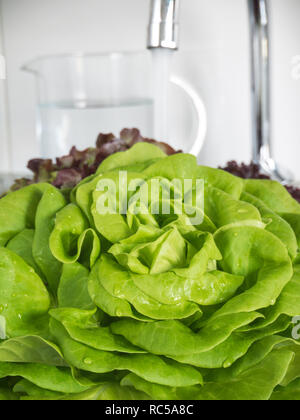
{"points": [[215, 30]]}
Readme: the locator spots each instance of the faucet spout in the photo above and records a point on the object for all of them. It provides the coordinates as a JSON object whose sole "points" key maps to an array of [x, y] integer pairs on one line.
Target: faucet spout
{"points": [[163, 30]]}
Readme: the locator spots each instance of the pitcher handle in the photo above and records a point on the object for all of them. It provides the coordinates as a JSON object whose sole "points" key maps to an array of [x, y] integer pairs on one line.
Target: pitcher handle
{"points": [[200, 109]]}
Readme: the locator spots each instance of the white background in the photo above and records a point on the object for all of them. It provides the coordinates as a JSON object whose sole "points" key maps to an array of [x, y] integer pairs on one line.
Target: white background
{"points": [[214, 57]]}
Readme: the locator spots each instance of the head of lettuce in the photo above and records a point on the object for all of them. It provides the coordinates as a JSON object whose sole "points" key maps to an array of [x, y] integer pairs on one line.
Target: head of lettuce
{"points": [[151, 304]]}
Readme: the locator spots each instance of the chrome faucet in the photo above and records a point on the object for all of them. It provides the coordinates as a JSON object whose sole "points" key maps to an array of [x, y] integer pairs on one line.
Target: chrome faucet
{"points": [[261, 90], [163, 33], [163, 27]]}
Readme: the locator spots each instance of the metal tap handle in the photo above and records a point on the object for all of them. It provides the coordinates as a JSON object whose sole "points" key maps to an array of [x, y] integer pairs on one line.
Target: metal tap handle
{"points": [[163, 26], [261, 100]]}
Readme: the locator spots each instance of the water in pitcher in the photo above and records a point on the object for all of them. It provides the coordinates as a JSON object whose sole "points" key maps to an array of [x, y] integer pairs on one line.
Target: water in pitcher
{"points": [[63, 125]]}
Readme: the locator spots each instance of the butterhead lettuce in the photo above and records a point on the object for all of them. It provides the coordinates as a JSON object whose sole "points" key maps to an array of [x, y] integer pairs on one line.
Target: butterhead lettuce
{"points": [[153, 304]]}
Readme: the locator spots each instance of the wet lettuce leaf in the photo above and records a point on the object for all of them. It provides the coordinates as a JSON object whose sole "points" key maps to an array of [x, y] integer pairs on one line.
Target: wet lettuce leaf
{"points": [[24, 299], [131, 306]]}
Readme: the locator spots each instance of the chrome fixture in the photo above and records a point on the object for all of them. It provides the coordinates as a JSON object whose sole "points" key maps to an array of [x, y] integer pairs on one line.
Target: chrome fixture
{"points": [[261, 90], [164, 25]]}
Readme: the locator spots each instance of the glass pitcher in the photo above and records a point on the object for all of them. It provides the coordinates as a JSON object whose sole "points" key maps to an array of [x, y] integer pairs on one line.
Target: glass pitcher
{"points": [[80, 96]]}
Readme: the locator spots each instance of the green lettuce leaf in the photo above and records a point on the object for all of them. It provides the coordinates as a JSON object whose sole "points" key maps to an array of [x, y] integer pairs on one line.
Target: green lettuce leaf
{"points": [[31, 349], [150, 367], [24, 300], [18, 209], [73, 287], [146, 291], [72, 240], [254, 384]]}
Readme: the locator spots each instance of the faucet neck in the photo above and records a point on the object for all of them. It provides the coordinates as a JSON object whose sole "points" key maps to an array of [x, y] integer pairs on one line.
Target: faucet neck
{"points": [[261, 86], [163, 30]]}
